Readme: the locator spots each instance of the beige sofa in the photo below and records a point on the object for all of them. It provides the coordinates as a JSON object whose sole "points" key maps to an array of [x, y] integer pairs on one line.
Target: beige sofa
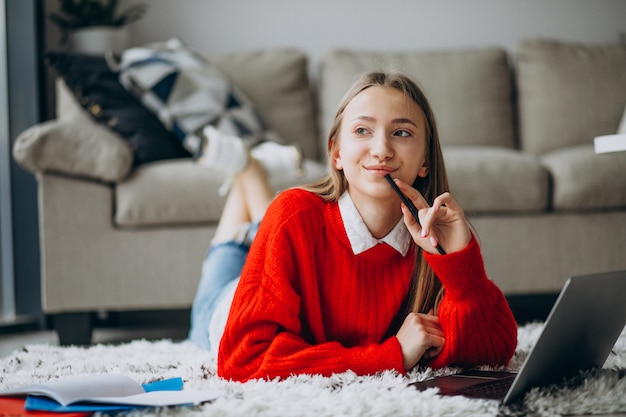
{"points": [[517, 131]]}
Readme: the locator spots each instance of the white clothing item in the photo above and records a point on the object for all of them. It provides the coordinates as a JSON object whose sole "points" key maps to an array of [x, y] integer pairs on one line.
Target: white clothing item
{"points": [[279, 159], [361, 238], [225, 153], [284, 164]]}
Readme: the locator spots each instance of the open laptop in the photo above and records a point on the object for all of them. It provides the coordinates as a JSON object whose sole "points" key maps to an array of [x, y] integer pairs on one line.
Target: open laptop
{"points": [[579, 333]]}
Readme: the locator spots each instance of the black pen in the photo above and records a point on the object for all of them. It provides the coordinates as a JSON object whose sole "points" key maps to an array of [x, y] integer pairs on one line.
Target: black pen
{"points": [[407, 202]]}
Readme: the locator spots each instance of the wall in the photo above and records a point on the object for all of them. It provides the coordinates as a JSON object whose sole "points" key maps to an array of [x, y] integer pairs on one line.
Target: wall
{"points": [[316, 27], [217, 26]]}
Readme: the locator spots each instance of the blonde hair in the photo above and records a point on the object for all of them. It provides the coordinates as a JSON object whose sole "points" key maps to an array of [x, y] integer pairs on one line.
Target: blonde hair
{"points": [[426, 289]]}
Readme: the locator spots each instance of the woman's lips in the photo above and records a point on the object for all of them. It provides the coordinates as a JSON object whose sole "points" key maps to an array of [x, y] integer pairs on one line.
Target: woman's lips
{"points": [[380, 169]]}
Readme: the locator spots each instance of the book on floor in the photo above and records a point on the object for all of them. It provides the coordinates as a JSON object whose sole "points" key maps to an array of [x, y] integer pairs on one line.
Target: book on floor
{"points": [[106, 392]]}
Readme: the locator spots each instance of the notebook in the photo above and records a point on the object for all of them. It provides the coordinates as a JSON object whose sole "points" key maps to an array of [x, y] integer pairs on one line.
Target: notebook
{"points": [[579, 333]]}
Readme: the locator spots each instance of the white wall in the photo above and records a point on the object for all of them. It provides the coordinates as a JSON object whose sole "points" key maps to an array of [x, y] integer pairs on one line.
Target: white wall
{"points": [[317, 26]]}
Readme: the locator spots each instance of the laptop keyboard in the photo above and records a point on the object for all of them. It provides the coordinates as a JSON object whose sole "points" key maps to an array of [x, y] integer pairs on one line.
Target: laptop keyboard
{"points": [[494, 389]]}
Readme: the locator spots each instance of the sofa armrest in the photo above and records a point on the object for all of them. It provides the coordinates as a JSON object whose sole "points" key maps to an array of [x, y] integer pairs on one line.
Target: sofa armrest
{"points": [[74, 148]]}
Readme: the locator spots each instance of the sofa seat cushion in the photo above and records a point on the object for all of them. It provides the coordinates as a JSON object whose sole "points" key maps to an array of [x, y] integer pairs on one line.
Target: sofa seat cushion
{"points": [[169, 193], [469, 89], [181, 192], [583, 179], [490, 179]]}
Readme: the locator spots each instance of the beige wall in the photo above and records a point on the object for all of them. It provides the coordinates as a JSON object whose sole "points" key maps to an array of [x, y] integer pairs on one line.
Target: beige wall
{"points": [[316, 27], [216, 26]]}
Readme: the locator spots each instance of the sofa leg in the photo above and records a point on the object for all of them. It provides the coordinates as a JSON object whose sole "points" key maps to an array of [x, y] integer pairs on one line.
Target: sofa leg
{"points": [[73, 328]]}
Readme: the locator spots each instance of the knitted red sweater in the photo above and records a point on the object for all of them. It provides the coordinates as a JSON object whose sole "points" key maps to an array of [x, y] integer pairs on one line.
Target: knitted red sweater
{"points": [[306, 304]]}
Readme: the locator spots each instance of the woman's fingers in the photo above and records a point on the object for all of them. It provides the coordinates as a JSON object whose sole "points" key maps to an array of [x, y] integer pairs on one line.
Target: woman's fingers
{"points": [[426, 214], [420, 337], [443, 222]]}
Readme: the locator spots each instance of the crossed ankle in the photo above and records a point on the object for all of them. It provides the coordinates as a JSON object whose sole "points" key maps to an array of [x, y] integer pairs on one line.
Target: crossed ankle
{"points": [[279, 160], [225, 153]]}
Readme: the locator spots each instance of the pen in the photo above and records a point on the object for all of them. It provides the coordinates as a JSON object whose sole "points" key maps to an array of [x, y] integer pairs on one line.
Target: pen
{"points": [[407, 202]]}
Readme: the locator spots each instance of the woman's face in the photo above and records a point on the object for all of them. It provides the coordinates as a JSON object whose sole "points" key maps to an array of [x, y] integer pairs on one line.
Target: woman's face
{"points": [[382, 132]]}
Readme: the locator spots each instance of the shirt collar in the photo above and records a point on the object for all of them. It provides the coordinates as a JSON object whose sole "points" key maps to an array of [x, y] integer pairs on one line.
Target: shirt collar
{"points": [[361, 238]]}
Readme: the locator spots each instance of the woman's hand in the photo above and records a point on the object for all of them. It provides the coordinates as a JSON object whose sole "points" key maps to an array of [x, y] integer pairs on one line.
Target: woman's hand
{"points": [[444, 223], [420, 338]]}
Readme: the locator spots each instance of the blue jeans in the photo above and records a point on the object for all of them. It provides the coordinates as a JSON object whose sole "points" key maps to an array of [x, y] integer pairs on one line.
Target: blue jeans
{"points": [[220, 269]]}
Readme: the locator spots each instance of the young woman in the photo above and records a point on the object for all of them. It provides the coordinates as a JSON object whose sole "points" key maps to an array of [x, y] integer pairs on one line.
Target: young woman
{"points": [[341, 277]]}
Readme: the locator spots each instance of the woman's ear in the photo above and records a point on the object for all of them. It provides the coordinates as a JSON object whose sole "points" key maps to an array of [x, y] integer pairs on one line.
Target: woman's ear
{"points": [[333, 152], [423, 171]]}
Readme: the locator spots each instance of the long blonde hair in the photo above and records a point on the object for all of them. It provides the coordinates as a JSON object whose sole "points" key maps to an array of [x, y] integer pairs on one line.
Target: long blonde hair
{"points": [[426, 289]]}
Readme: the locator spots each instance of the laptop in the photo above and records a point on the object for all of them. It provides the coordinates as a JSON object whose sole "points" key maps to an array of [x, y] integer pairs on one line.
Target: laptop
{"points": [[579, 333]]}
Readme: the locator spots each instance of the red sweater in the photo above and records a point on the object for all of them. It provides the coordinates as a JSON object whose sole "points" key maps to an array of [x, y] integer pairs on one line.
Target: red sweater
{"points": [[306, 304]]}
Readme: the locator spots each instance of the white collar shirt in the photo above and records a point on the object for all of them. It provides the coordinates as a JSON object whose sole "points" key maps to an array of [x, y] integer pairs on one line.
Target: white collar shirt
{"points": [[361, 238]]}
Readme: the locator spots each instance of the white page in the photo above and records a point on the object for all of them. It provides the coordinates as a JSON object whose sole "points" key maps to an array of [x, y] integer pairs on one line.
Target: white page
{"points": [[69, 390]]}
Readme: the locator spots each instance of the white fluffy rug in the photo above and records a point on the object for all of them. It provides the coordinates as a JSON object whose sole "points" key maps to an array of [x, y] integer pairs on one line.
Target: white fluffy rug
{"points": [[601, 392]]}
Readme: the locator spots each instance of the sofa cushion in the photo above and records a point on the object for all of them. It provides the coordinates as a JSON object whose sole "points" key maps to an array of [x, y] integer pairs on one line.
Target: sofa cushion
{"points": [[181, 192], [99, 92], [187, 93], [168, 193], [583, 179], [568, 92], [76, 147], [489, 179], [469, 90], [277, 82]]}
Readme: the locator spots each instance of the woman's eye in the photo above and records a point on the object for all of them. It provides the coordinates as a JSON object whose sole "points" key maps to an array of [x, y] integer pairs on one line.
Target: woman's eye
{"points": [[361, 131], [403, 133]]}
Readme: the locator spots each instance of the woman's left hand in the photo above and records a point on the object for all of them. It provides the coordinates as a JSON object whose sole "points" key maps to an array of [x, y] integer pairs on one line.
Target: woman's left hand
{"points": [[444, 223]]}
